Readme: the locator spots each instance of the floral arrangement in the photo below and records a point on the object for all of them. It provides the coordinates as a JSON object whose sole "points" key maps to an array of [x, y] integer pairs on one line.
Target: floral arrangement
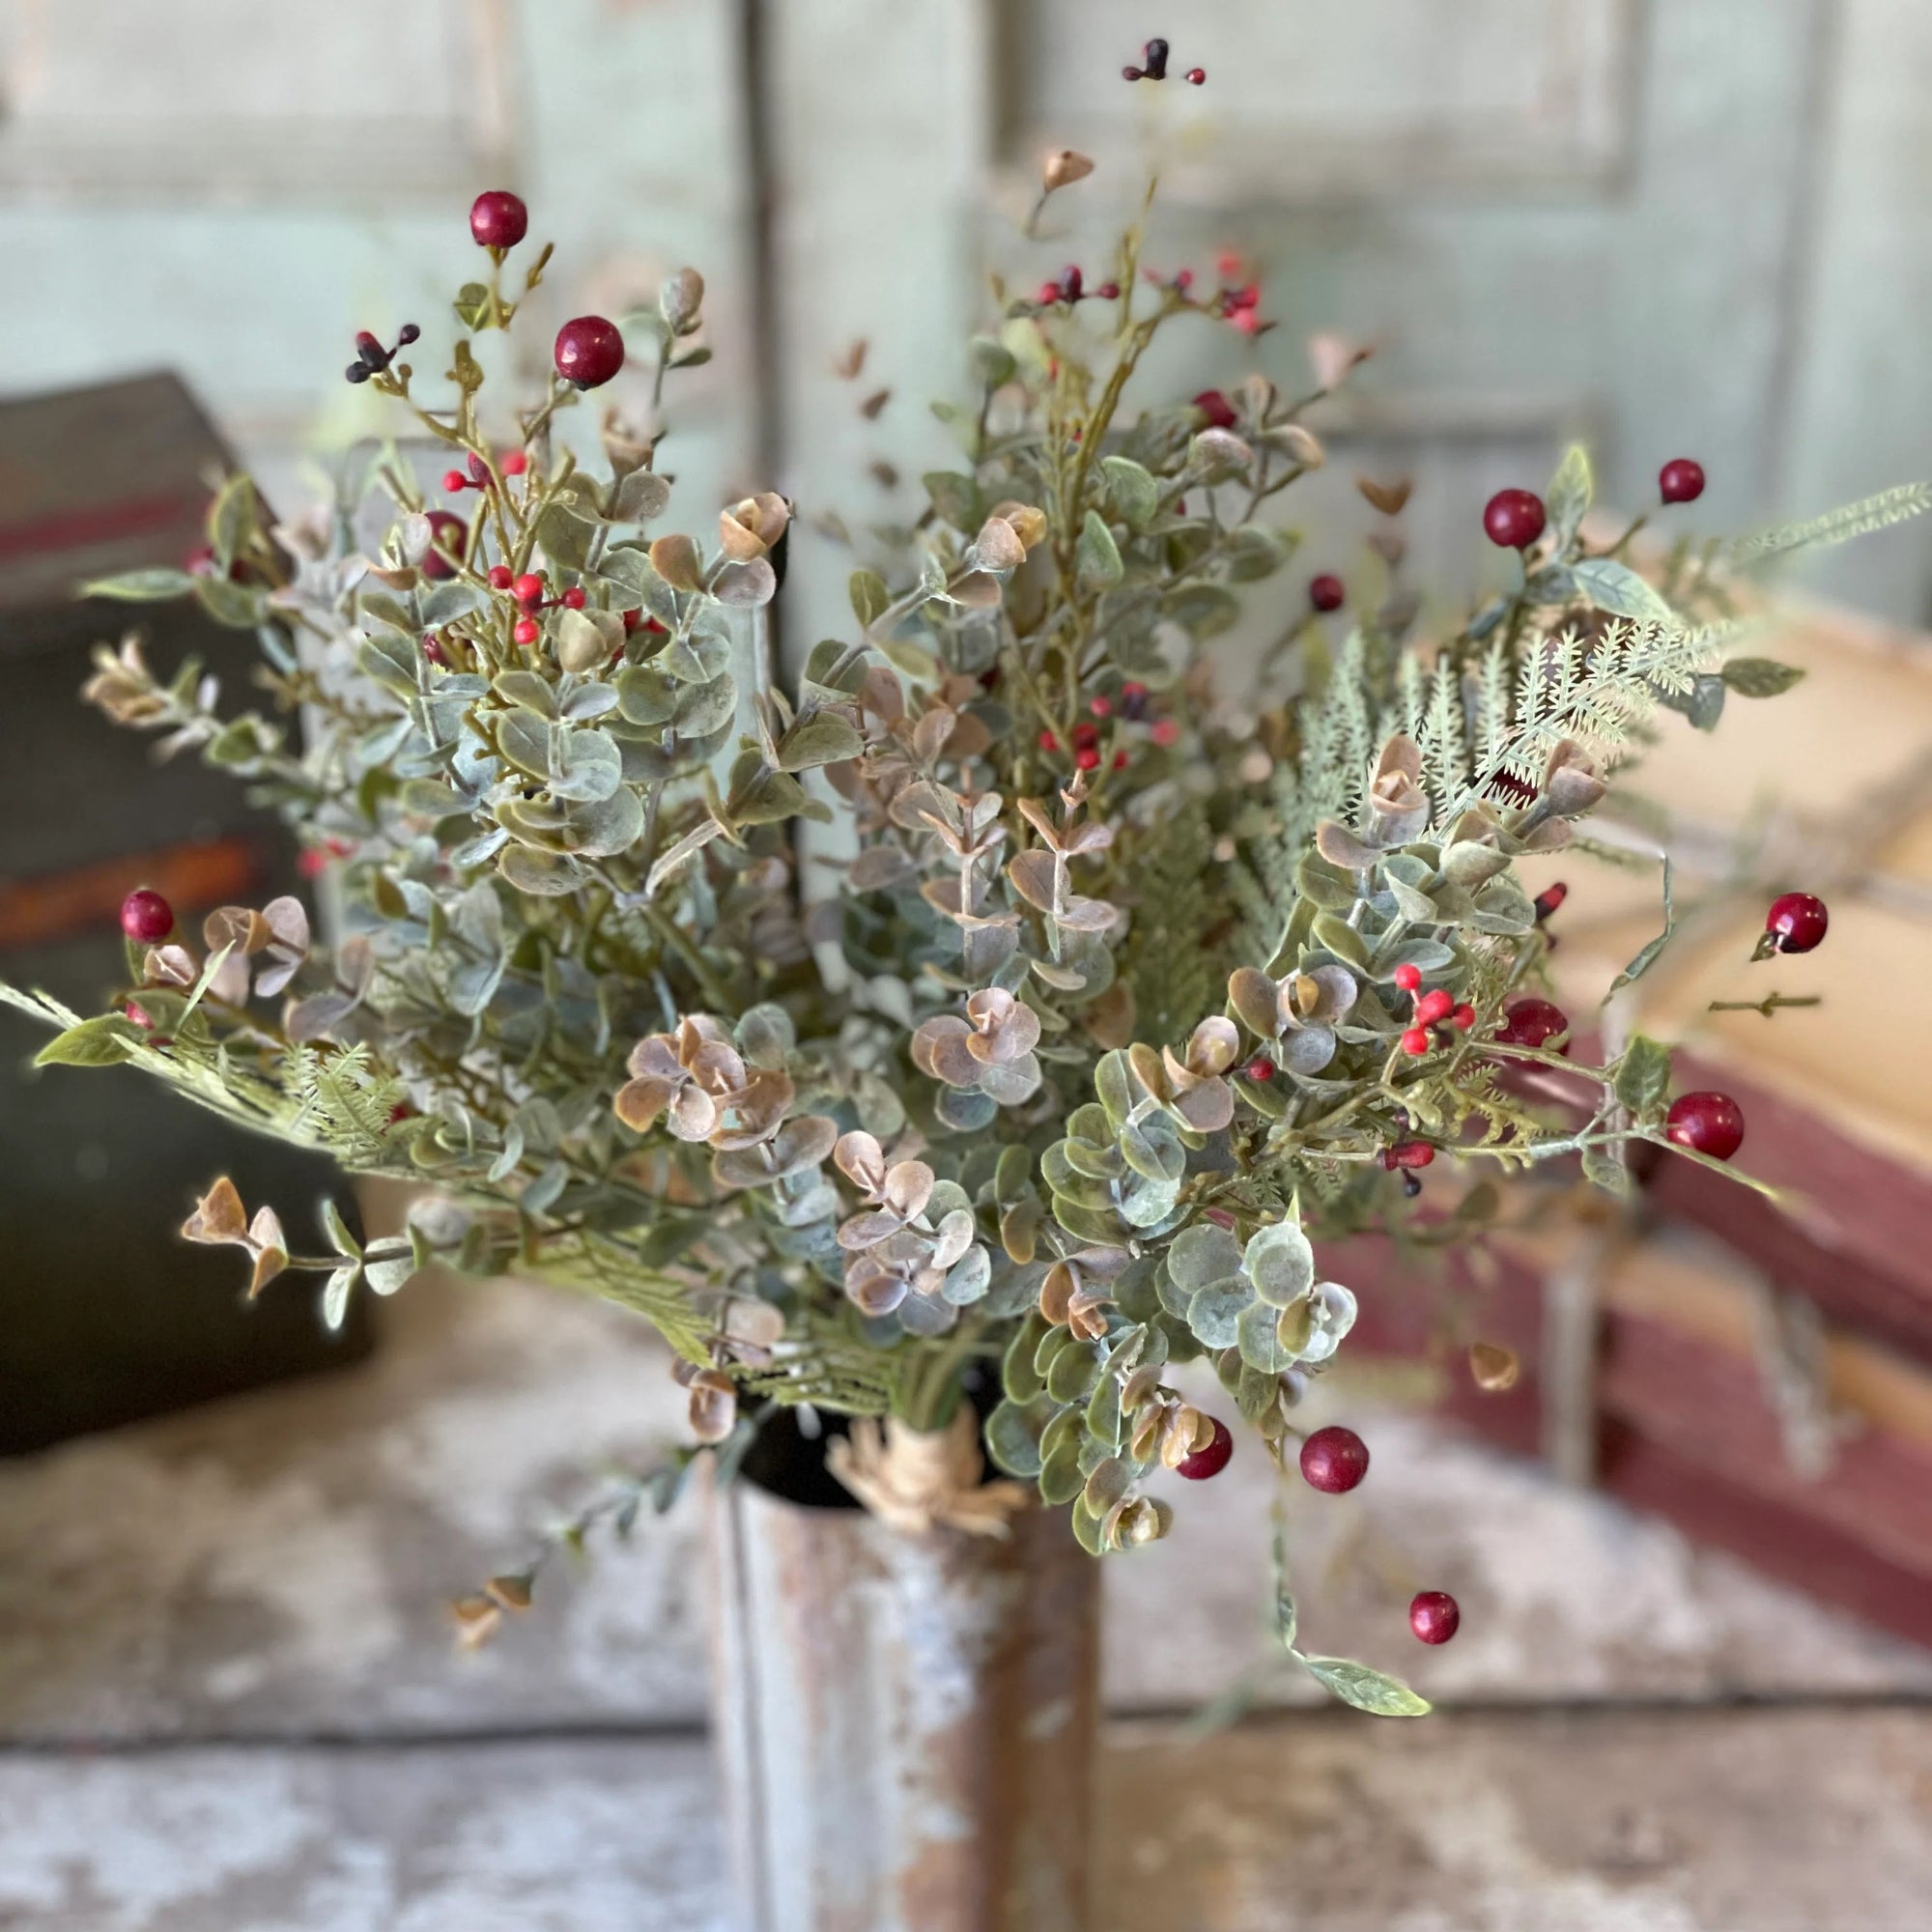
{"points": [[1119, 993]]}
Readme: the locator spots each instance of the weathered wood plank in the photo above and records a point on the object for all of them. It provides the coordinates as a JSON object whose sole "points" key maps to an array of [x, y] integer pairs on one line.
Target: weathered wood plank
{"points": [[281, 1563], [1779, 1821]]}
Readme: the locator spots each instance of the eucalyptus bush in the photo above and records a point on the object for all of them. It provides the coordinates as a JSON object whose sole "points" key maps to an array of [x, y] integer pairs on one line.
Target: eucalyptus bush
{"points": [[1112, 993]]}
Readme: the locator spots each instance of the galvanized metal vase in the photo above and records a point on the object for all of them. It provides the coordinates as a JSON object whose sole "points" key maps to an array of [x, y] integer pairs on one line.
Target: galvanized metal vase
{"points": [[906, 1724]]}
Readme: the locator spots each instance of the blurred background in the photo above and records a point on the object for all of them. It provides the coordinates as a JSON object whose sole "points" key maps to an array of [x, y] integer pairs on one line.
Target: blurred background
{"points": [[1673, 227]]}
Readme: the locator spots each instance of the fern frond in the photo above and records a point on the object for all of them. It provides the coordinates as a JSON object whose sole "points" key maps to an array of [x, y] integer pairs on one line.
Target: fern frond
{"points": [[1836, 527]]}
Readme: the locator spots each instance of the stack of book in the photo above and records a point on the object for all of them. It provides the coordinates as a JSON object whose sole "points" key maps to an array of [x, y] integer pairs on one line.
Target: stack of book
{"points": [[1758, 1371]]}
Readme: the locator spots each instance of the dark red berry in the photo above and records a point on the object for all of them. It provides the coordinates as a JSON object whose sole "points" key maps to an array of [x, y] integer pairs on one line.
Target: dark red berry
{"points": [[1795, 922], [1048, 742], [434, 652], [1514, 519], [1412, 1153], [1260, 1070], [1119, 761], [1334, 1459], [446, 533], [501, 577], [1550, 899], [498, 219], [574, 599], [1132, 74], [370, 348], [1217, 409], [1087, 759], [146, 916], [407, 334], [1073, 284], [1532, 1022], [1326, 592], [1047, 294], [1155, 56], [1211, 1460], [589, 351], [528, 589], [1196, 75], [1680, 480], [1434, 1616], [1109, 292], [1710, 1123]]}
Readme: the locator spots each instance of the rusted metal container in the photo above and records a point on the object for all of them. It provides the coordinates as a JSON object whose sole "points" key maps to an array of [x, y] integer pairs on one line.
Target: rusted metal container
{"points": [[906, 1724]]}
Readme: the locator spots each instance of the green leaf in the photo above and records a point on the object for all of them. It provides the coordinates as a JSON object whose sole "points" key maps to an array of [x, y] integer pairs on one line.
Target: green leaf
{"points": [[141, 587], [1643, 1076], [1617, 588], [1603, 1169], [1131, 490], [96, 1042], [1648, 954], [1367, 1689], [1096, 556], [1759, 677], [819, 738], [337, 1231], [1284, 1616], [565, 537], [231, 519], [335, 1293], [955, 497], [1569, 493], [871, 599], [1012, 1435]]}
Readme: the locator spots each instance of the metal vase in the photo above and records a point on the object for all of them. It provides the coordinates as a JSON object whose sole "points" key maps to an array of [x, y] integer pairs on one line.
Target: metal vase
{"points": [[906, 1724]]}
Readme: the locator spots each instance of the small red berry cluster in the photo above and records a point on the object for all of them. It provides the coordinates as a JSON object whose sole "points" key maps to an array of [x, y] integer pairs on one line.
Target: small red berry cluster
{"points": [[531, 593], [1097, 742], [1431, 1009], [475, 472], [1153, 66], [1071, 287], [372, 358]]}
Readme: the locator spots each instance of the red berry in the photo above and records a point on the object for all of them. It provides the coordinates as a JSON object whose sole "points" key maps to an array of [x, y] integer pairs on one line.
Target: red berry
{"points": [[1550, 899], [1165, 731], [433, 651], [1334, 1459], [1434, 1615], [1415, 1042], [1532, 1022], [146, 916], [1408, 978], [513, 463], [1795, 922], [574, 599], [1514, 519], [501, 577], [632, 620], [498, 219], [1119, 761], [1465, 1016], [1048, 742], [1196, 75], [1109, 292], [449, 534], [140, 1015], [1087, 759], [528, 589], [1047, 295], [1680, 480], [1073, 284], [589, 351], [1211, 1460], [1712, 1123], [454, 480], [1414, 1154], [524, 630], [1085, 733], [1102, 707], [1326, 592], [1217, 409], [1259, 1068], [1435, 1005]]}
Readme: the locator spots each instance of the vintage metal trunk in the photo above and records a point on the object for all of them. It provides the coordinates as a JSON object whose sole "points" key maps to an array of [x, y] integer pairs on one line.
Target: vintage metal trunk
{"points": [[906, 1726]]}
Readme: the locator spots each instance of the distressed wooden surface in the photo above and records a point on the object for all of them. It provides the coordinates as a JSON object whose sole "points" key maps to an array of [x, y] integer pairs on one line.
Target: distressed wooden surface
{"points": [[280, 1564], [1577, 1820]]}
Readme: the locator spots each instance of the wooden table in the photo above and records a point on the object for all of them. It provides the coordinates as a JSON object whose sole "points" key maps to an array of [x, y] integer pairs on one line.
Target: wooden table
{"points": [[229, 1702]]}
